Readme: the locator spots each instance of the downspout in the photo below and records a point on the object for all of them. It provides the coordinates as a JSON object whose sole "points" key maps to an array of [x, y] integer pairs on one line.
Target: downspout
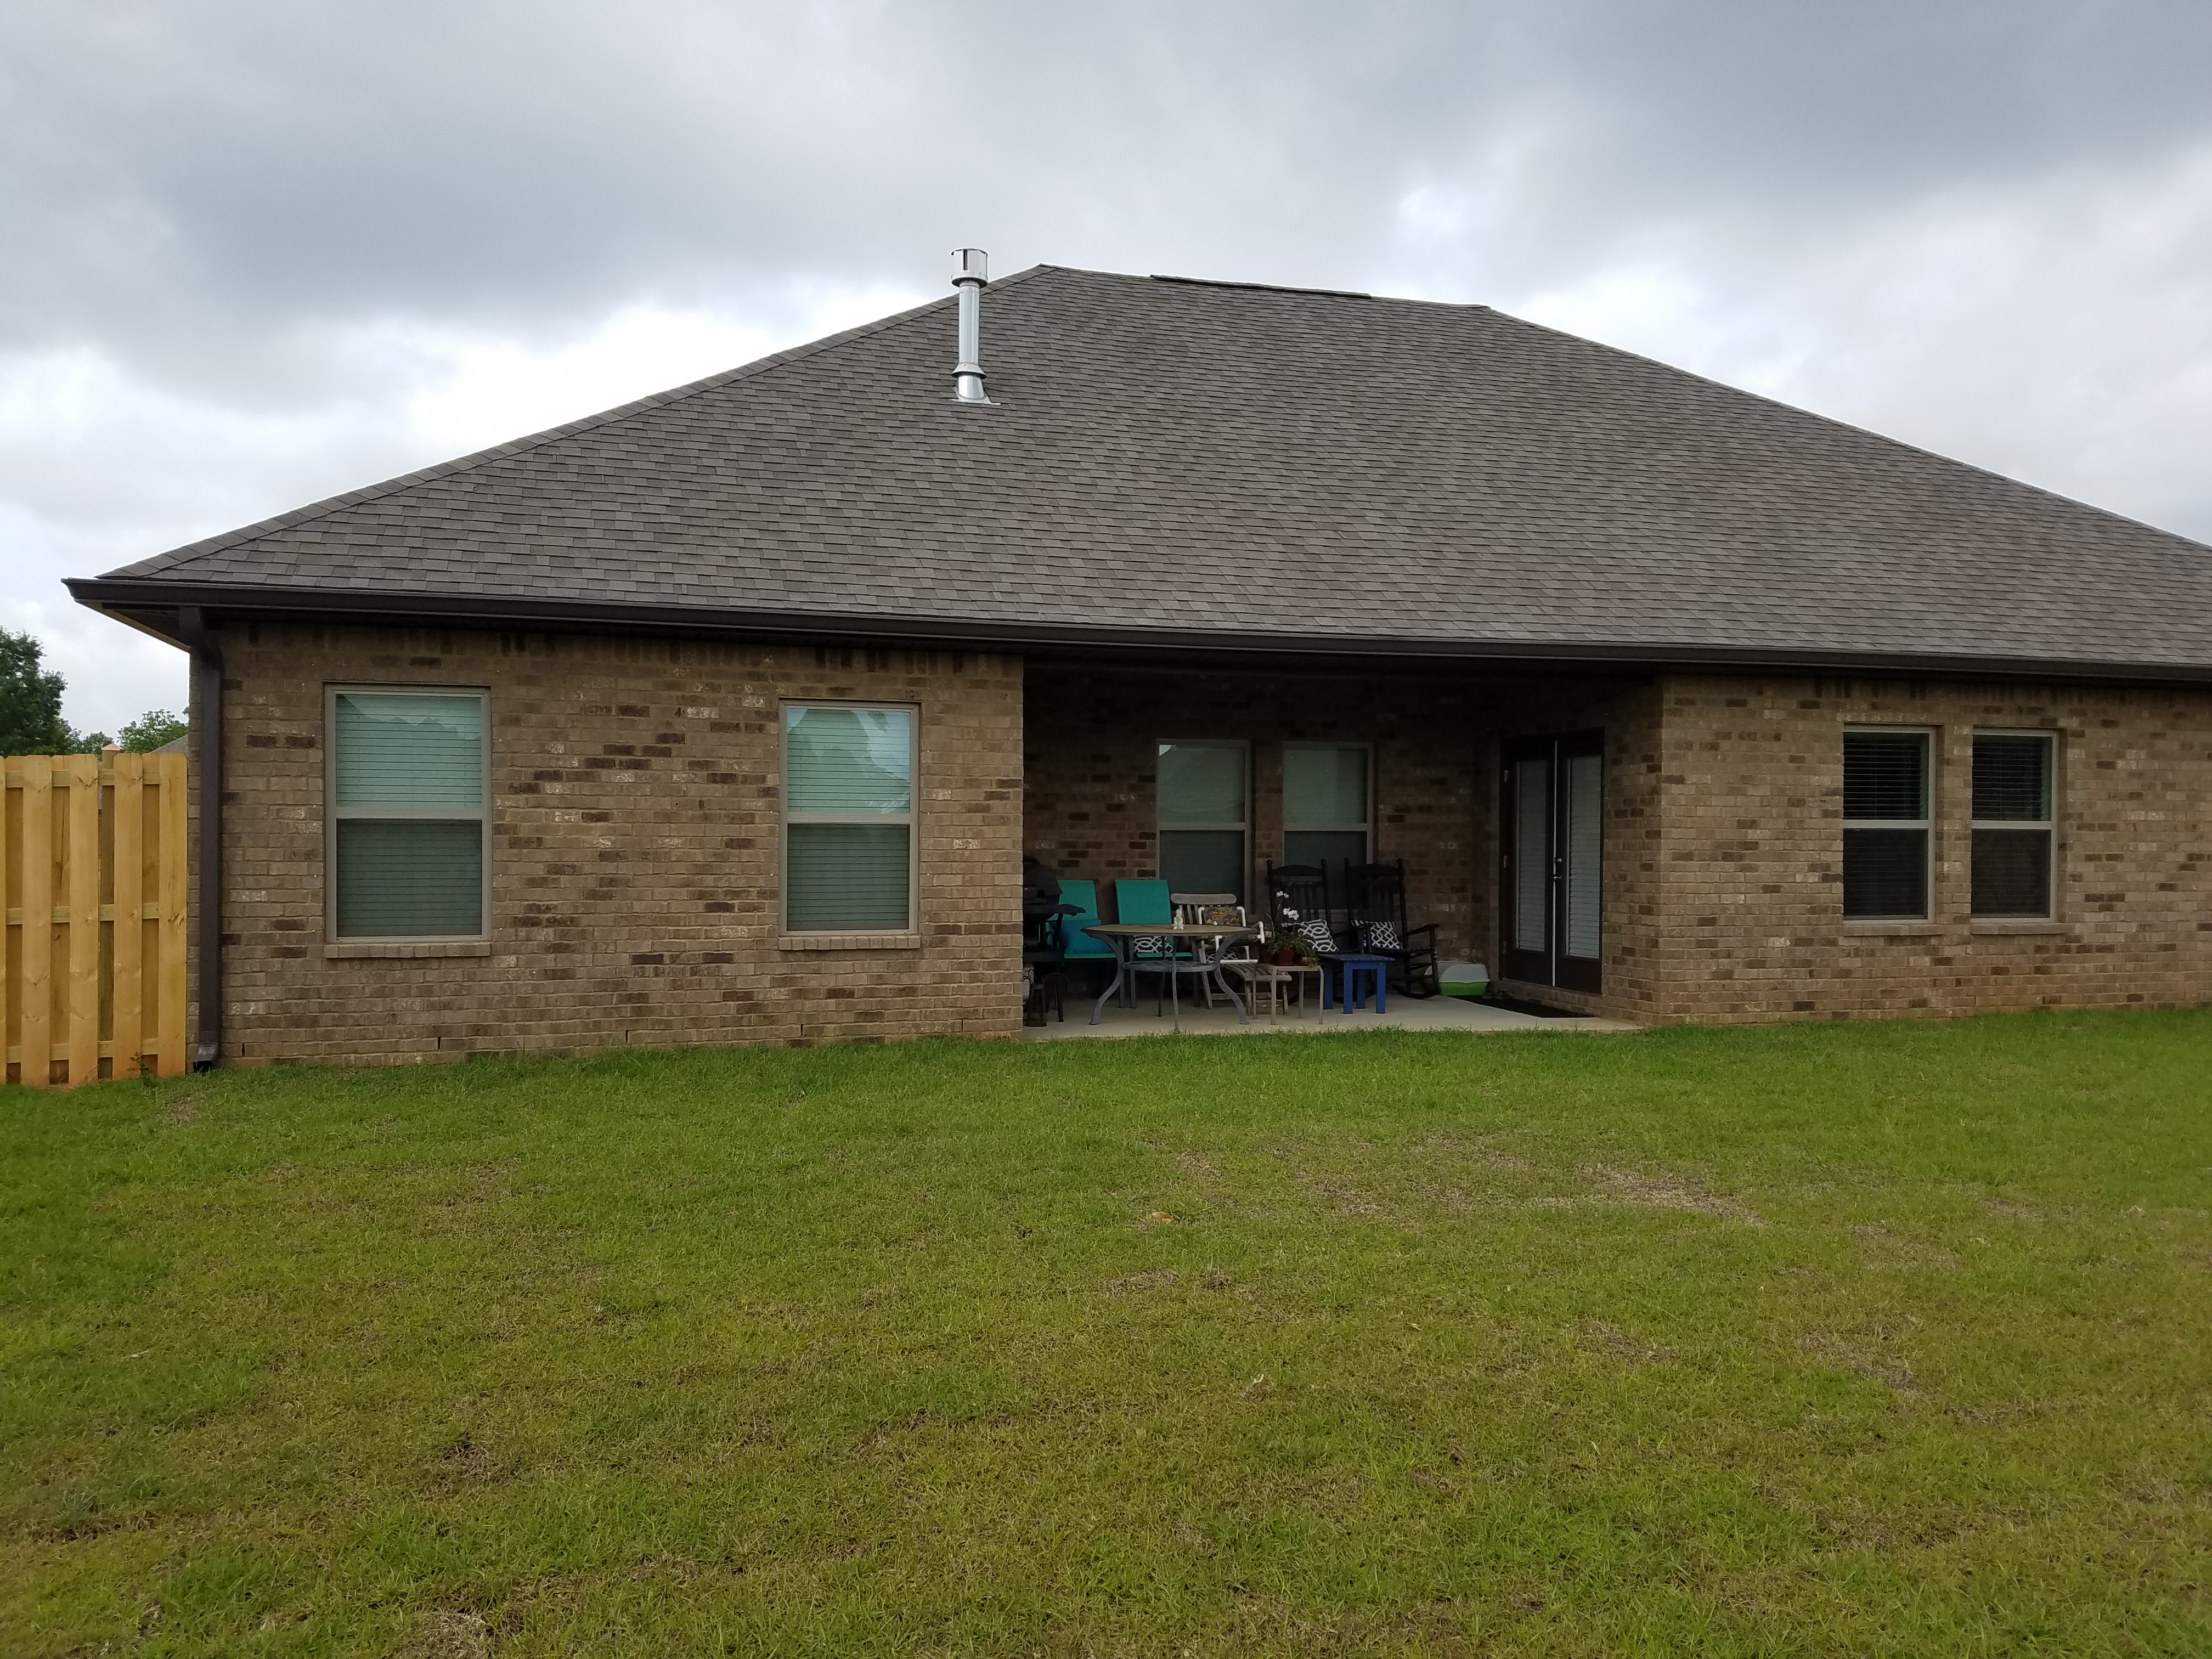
{"points": [[207, 905]]}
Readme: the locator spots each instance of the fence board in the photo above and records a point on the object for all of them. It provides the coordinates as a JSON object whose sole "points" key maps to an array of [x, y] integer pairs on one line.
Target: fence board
{"points": [[80, 882], [72, 834], [127, 934], [34, 1015], [11, 961]]}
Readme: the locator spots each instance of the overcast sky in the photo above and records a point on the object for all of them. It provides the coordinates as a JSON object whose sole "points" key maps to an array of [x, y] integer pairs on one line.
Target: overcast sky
{"points": [[257, 253]]}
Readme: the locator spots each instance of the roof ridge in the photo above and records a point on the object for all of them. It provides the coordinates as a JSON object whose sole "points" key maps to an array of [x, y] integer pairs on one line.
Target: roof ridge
{"points": [[177, 557], [1262, 288]]}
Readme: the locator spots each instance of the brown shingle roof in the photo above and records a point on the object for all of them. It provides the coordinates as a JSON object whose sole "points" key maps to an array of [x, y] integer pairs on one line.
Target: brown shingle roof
{"points": [[1230, 464]]}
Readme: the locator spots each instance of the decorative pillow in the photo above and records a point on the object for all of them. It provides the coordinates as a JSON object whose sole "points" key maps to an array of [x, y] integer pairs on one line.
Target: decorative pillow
{"points": [[1319, 936], [1380, 936], [1150, 944]]}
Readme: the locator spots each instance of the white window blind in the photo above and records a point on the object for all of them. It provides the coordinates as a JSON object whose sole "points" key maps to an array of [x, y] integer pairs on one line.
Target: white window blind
{"points": [[1326, 804], [1532, 856], [1202, 817], [408, 817], [1585, 841], [848, 819]]}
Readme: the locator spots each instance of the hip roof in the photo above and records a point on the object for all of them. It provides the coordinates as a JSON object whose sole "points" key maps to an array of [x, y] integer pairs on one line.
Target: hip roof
{"points": [[1180, 463]]}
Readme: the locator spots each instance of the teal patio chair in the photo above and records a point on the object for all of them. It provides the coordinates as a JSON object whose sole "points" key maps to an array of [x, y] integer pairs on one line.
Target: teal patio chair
{"points": [[1078, 946], [1142, 903]]}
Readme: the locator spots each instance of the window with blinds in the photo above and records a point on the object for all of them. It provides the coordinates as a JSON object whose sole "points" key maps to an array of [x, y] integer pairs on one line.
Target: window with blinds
{"points": [[2015, 825], [408, 822], [848, 842], [1886, 824], [1326, 804], [1203, 823]]}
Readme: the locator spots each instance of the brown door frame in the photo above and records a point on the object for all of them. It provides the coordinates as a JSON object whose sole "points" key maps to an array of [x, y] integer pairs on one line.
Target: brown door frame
{"points": [[1552, 965]]}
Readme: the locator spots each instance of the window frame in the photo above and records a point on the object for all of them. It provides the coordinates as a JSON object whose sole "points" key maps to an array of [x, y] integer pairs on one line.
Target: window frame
{"points": [[333, 813], [911, 819], [2049, 825], [1244, 748], [1931, 748], [1366, 829]]}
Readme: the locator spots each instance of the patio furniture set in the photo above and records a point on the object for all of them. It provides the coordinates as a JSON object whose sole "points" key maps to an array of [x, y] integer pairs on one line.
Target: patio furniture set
{"points": [[1208, 939]]}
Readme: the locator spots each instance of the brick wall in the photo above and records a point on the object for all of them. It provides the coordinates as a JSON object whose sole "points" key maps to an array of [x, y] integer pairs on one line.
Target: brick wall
{"points": [[636, 843], [1090, 758], [635, 851], [1749, 896]]}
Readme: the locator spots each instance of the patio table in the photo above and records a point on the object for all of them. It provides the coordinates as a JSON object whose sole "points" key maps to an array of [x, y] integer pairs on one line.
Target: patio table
{"points": [[1120, 937]]}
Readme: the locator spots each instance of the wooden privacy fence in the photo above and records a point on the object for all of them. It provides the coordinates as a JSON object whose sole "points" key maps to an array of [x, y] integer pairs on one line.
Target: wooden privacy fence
{"points": [[92, 859]]}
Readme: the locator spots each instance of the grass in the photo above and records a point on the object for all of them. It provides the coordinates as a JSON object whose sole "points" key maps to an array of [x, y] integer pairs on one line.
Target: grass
{"points": [[1871, 1339]]}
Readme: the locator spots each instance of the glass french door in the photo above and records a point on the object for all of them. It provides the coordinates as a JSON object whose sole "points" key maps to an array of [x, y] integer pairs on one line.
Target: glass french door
{"points": [[1551, 864]]}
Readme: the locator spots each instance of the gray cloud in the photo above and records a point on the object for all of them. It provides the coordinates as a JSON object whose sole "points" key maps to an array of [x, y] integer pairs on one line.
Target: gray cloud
{"points": [[238, 173], [246, 241]]}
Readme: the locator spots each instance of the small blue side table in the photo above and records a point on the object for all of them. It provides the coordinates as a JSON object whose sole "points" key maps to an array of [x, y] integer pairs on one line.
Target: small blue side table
{"points": [[1345, 970]]}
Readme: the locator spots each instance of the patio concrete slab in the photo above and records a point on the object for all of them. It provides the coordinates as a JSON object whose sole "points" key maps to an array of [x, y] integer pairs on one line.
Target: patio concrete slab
{"points": [[1405, 1014]]}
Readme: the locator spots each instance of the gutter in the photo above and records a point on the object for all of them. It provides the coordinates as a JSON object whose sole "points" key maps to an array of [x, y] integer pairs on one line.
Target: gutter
{"points": [[207, 906], [141, 595]]}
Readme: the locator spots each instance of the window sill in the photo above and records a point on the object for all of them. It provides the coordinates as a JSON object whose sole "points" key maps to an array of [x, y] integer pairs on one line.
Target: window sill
{"points": [[407, 948], [1901, 929], [2018, 925], [848, 942]]}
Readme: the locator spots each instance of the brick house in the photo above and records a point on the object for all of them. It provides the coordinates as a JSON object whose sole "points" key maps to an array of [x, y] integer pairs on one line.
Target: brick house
{"points": [[726, 716]]}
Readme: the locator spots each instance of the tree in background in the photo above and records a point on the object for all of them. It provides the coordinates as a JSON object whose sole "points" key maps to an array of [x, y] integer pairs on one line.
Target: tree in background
{"points": [[31, 721], [30, 701], [151, 730]]}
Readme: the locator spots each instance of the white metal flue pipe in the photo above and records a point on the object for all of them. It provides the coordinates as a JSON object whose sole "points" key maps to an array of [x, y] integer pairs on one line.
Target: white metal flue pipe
{"points": [[969, 277]]}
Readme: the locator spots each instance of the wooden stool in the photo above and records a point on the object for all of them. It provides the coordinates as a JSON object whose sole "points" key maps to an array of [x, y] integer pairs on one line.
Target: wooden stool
{"points": [[1275, 978]]}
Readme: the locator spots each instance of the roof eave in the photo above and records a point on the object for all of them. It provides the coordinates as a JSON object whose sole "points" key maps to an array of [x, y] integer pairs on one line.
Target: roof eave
{"points": [[142, 602]]}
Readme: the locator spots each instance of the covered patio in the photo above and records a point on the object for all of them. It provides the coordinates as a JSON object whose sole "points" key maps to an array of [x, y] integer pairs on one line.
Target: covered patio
{"points": [[1503, 797]]}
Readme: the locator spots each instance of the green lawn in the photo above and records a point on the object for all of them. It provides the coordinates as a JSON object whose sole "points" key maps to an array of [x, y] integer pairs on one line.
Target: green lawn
{"points": [[1870, 1339]]}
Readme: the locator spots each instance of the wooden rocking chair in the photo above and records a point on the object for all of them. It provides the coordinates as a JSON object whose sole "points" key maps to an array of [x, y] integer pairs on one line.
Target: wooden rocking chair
{"points": [[1375, 912]]}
